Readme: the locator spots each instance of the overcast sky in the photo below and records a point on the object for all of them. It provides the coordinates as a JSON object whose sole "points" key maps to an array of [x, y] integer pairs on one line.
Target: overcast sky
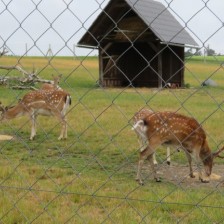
{"points": [[61, 23]]}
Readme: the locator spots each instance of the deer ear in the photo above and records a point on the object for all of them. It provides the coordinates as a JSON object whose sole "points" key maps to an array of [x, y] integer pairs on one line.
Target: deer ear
{"points": [[216, 154]]}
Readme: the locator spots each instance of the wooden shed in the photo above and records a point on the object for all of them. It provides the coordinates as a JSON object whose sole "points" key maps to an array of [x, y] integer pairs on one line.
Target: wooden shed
{"points": [[140, 44]]}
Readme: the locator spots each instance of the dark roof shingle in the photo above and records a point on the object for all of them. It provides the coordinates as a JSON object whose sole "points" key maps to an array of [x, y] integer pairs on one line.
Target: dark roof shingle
{"points": [[161, 22], [153, 13]]}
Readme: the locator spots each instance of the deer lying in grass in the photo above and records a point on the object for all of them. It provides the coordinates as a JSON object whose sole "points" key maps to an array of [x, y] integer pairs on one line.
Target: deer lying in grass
{"points": [[54, 84], [40, 102], [142, 114], [178, 130]]}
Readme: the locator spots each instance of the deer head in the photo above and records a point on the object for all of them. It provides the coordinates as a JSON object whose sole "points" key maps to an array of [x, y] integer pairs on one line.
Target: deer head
{"points": [[208, 159], [54, 84]]}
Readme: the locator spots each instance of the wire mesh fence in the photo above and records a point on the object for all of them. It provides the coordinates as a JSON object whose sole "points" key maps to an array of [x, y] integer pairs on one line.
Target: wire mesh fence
{"points": [[112, 59]]}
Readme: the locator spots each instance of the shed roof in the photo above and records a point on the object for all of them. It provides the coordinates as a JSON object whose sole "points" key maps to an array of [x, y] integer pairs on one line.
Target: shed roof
{"points": [[152, 13]]}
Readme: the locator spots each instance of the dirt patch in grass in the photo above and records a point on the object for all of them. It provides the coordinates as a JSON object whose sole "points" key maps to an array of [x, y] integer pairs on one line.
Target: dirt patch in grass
{"points": [[5, 137], [179, 175]]}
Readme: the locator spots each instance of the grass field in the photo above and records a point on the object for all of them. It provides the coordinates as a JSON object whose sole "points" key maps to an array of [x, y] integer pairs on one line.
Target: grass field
{"points": [[89, 178]]}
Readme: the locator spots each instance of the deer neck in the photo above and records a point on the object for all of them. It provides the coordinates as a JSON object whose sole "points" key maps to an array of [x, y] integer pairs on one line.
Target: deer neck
{"points": [[207, 158]]}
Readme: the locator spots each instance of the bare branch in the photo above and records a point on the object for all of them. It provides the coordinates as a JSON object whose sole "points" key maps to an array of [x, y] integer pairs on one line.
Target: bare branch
{"points": [[44, 81], [24, 87], [18, 68], [28, 78], [4, 52]]}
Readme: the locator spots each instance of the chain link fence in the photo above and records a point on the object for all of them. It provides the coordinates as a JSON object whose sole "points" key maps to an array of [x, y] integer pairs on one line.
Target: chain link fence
{"points": [[115, 57]]}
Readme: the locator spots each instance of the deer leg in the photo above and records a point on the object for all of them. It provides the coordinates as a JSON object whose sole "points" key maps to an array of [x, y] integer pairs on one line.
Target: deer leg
{"points": [[143, 156], [154, 159], [142, 142], [154, 171], [33, 126], [141, 159], [168, 155], [63, 134], [189, 158], [140, 164], [147, 153]]}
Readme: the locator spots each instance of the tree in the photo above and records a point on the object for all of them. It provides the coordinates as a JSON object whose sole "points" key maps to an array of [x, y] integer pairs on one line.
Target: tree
{"points": [[198, 53], [209, 51], [188, 53]]}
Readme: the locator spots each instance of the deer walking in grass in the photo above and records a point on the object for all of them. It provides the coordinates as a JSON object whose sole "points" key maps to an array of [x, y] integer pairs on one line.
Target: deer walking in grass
{"points": [[169, 128], [142, 114], [40, 102]]}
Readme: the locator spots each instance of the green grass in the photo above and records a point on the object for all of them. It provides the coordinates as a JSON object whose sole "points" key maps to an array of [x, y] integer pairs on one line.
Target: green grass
{"points": [[206, 59], [89, 178]]}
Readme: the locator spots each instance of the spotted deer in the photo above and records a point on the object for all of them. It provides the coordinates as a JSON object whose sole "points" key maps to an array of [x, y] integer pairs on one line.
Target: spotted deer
{"points": [[54, 84], [140, 115], [40, 102], [169, 128]]}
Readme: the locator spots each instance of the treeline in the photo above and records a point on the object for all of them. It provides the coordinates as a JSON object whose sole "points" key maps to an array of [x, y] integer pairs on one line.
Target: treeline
{"points": [[207, 51]]}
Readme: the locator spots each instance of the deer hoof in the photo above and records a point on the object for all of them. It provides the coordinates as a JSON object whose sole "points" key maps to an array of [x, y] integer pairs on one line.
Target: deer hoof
{"points": [[158, 179], [168, 163], [62, 138]]}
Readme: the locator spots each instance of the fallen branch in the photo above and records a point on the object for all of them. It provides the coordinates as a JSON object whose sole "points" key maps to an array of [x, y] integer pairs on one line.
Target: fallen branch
{"points": [[24, 87], [28, 78], [18, 68]]}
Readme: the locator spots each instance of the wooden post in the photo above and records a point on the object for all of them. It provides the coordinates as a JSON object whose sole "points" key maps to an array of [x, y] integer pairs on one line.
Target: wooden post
{"points": [[100, 67], [160, 68]]}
